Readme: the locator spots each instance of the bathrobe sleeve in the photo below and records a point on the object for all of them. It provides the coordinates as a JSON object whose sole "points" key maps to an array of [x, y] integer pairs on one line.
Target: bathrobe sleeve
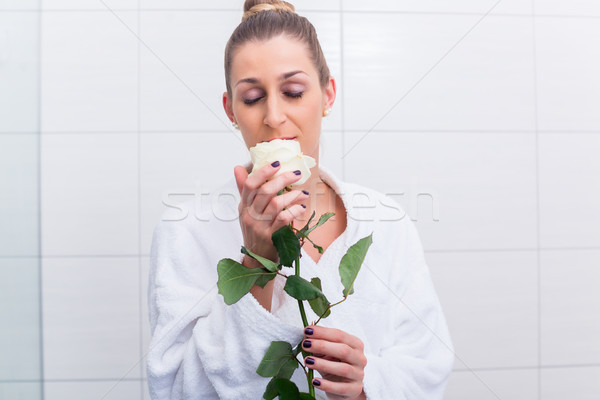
{"points": [[417, 358], [200, 347]]}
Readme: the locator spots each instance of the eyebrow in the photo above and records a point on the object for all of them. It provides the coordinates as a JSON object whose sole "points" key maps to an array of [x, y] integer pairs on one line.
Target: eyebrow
{"points": [[283, 77]]}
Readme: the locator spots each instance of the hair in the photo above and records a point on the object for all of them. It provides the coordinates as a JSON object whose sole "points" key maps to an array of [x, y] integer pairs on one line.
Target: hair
{"points": [[265, 19]]}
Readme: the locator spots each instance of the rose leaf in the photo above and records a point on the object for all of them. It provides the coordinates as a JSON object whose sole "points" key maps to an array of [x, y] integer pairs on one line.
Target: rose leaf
{"points": [[287, 245], [235, 280], [301, 289], [351, 263]]}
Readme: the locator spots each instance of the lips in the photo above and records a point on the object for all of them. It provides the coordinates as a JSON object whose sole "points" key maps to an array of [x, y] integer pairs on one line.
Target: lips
{"points": [[282, 138]]}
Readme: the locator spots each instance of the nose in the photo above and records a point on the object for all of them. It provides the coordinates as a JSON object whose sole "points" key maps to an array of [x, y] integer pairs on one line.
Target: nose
{"points": [[275, 112]]}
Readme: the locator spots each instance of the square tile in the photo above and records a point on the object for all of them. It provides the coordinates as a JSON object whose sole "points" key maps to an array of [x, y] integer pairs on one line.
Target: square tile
{"points": [[19, 198], [89, 71], [570, 321], [178, 166], [21, 390], [20, 336], [431, 72], [19, 69], [331, 151], [440, 6], [91, 318], [106, 390], [581, 383], [563, 8], [89, 194], [88, 4], [569, 190], [568, 84], [19, 5], [464, 190], [145, 316], [513, 384], [182, 75], [490, 301]]}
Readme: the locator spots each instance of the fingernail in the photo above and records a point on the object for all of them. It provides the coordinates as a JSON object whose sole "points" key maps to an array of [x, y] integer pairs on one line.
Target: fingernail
{"points": [[310, 361], [307, 343], [305, 192], [275, 164], [303, 205], [297, 172], [316, 382], [309, 331]]}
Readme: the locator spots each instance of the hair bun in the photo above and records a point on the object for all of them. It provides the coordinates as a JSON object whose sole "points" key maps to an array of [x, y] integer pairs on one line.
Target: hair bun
{"points": [[253, 7]]}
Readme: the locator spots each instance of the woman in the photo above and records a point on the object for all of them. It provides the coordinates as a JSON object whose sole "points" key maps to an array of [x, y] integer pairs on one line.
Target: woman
{"points": [[388, 341]]}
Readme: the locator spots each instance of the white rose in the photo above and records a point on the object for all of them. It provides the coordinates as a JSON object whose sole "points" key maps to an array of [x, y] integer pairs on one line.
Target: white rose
{"points": [[287, 152]]}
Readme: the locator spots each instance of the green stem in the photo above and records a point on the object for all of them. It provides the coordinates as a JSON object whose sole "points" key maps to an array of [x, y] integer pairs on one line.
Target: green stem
{"points": [[309, 378]]}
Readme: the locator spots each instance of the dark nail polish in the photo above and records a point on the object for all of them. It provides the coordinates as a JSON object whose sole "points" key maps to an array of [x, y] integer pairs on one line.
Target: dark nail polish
{"points": [[303, 205], [297, 172], [309, 331], [310, 361], [305, 192], [316, 382], [307, 344], [275, 164]]}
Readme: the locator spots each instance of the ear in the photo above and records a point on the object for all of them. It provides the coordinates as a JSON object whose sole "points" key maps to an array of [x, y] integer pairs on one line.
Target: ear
{"points": [[329, 93], [227, 105]]}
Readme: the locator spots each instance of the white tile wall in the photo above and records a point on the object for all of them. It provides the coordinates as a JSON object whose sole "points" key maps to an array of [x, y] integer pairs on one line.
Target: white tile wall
{"points": [[581, 383], [416, 72], [88, 4], [20, 341], [19, 5], [569, 298], [19, 210], [89, 194], [471, 177], [235, 5], [568, 61], [572, 7], [89, 71], [91, 319], [440, 6], [21, 390], [19, 69], [473, 288], [569, 189], [517, 384], [106, 390]]}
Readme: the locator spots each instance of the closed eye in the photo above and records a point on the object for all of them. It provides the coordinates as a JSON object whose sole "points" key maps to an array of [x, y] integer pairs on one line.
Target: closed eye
{"points": [[295, 95]]}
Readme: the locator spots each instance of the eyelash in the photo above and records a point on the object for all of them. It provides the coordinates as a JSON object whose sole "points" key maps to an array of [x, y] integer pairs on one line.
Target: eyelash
{"points": [[294, 95]]}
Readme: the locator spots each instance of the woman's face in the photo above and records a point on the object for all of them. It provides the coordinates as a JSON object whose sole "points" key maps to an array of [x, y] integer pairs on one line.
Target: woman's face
{"points": [[276, 93]]}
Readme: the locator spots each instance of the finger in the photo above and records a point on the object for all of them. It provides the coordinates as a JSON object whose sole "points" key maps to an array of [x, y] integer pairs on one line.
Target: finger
{"points": [[286, 200], [345, 389], [241, 175], [340, 369], [341, 351], [333, 335], [255, 180], [288, 215], [269, 190]]}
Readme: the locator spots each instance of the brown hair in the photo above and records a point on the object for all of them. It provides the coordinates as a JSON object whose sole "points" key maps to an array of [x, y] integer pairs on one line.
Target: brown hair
{"points": [[264, 19]]}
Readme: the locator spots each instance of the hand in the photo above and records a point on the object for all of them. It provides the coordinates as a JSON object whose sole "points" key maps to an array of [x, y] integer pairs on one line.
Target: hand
{"points": [[262, 211], [339, 357]]}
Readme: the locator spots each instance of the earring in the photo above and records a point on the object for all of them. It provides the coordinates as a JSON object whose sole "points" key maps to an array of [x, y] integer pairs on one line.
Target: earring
{"points": [[326, 112], [235, 125]]}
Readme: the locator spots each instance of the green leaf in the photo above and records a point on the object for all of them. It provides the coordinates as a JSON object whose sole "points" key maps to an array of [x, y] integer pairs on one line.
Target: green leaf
{"points": [[286, 389], [308, 223], [322, 220], [265, 278], [235, 280], [268, 264], [306, 396], [320, 304], [301, 289], [277, 356], [287, 245], [351, 263]]}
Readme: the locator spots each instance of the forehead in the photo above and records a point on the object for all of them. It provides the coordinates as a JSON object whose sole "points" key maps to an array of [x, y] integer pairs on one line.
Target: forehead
{"points": [[269, 59]]}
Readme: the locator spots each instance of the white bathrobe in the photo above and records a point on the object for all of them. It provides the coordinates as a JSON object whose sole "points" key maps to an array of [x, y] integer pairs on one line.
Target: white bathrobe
{"points": [[202, 348]]}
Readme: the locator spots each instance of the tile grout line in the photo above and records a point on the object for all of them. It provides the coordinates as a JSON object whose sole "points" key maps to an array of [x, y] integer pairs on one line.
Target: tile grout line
{"points": [[537, 196], [39, 181], [139, 167]]}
